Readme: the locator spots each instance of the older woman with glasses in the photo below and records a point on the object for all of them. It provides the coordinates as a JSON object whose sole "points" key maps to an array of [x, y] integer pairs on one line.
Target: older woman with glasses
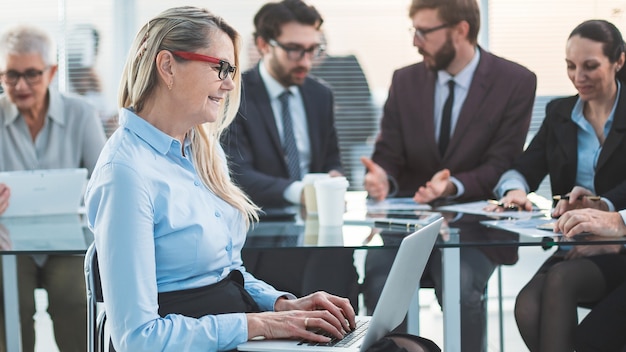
{"points": [[41, 128]]}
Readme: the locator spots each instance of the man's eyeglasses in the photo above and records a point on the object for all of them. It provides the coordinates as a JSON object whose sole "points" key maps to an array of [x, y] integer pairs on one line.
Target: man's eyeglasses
{"points": [[296, 53], [420, 33], [31, 76], [223, 70]]}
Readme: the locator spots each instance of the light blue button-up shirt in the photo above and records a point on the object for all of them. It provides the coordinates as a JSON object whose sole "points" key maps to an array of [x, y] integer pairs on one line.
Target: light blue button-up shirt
{"points": [[158, 228], [72, 136], [293, 192], [589, 146], [462, 83]]}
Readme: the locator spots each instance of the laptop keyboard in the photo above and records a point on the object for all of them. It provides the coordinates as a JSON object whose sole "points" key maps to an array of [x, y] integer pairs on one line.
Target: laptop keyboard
{"points": [[352, 337]]}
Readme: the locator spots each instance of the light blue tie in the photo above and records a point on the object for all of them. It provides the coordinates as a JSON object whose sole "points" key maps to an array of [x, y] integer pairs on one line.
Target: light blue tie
{"points": [[290, 149]]}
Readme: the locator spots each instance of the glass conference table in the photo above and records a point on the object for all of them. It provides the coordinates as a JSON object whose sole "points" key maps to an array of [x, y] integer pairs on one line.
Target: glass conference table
{"points": [[459, 231], [40, 235], [67, 234]]}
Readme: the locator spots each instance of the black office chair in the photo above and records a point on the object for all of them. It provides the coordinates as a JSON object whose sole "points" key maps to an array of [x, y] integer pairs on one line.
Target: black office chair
{"points": [[95, 321]]}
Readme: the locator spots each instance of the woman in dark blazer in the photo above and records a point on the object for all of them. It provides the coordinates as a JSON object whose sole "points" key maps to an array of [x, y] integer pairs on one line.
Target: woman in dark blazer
{"points": [[581, 146]]}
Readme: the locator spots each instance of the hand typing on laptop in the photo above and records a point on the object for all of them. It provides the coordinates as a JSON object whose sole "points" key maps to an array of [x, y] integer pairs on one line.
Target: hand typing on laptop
{"points": [[318, 310]]}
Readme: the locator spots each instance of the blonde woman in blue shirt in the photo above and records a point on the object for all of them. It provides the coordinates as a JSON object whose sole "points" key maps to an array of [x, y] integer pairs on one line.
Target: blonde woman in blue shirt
{"points": [[169, 224]]}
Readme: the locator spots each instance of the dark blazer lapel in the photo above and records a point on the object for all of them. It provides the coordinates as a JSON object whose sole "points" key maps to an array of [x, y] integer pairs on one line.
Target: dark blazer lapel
{"points": [[421, 99], [260, 97], [475, 97], [566, 134], [618, 130]]}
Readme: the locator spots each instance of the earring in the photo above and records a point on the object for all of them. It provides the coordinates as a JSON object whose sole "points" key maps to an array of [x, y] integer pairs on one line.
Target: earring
{"points": [[169, 86]]}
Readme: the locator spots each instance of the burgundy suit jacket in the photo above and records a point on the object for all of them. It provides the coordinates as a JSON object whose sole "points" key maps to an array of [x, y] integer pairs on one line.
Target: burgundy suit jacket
{"points": [[489, 135]]}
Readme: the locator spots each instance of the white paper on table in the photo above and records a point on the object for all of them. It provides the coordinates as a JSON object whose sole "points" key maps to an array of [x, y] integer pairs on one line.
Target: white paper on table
{"points": [[395, 204], [477, 208], [526, 227], [415, 220]]}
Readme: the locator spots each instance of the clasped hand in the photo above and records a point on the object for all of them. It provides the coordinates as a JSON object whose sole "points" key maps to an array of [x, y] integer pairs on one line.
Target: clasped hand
{"points": [[598, 222], [376, 184]]}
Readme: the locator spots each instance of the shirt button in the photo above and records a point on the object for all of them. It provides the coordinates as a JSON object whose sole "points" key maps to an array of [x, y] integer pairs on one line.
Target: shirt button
{"points": [[196, 183], [229, 247], [217, 214]]}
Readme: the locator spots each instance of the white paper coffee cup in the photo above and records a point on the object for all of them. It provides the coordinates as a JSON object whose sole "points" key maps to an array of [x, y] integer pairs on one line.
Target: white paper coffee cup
{"points": [[330, 194], [310, 199]]}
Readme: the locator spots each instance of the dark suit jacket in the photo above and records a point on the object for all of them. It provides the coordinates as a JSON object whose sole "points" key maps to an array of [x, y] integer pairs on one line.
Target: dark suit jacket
{"points": [[554, 148], [489, 134], [253, 145]]}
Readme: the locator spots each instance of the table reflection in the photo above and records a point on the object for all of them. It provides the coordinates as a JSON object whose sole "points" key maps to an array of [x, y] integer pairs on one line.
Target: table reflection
{"points": [[50, 234]]}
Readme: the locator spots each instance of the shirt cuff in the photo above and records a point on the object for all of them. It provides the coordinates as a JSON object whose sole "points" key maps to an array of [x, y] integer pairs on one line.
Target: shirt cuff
{"points": [[610, 205], [393, 186], [460, 189], [232, 331], [511, 179], [622, 213], [286, 295], [293, 192]]}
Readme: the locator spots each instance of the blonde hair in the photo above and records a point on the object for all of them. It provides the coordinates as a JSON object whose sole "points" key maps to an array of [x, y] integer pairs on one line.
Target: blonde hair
{"points": [[188, 29]]}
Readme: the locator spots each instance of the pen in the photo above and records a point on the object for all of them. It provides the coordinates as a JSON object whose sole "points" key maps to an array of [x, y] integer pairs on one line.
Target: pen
{"points": [[502, 205], [579, 198]]}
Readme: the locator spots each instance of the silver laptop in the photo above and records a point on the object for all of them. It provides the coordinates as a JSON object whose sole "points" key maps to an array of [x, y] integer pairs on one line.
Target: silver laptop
{"points": [[392, 306], [44, 192]]}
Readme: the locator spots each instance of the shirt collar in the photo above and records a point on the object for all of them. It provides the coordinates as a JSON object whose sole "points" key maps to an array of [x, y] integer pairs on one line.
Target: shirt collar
{"points": [[156, 138], [55, 108], [577, 112], [274, 89], [463, 78]]}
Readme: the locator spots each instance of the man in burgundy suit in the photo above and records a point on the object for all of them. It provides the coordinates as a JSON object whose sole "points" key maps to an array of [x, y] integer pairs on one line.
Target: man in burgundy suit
{"points": [[452, 124]]}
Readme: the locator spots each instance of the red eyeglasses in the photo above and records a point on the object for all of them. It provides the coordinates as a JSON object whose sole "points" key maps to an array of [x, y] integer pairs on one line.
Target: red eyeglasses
{"points": [[224, 69]]}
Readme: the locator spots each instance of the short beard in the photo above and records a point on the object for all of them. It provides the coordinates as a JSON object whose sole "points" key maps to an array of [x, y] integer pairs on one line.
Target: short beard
{"points": [[283, 77], [443, 58]]}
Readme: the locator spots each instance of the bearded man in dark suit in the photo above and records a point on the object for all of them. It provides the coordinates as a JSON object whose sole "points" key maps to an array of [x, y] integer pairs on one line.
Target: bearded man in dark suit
{"points": [[451, 125], [284, 130]]}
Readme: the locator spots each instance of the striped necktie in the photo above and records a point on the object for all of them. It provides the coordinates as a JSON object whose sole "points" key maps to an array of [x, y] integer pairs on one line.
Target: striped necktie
{"points": [[290, 149]]}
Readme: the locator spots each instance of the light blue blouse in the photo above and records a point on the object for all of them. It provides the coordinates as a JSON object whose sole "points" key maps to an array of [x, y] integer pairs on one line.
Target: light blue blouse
{"points": [[588, 152], [589, 146], [158, 228]]}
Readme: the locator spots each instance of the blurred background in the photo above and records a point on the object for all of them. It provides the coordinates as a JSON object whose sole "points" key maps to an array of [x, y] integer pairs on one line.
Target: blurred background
{"points": [[366, 41]]}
